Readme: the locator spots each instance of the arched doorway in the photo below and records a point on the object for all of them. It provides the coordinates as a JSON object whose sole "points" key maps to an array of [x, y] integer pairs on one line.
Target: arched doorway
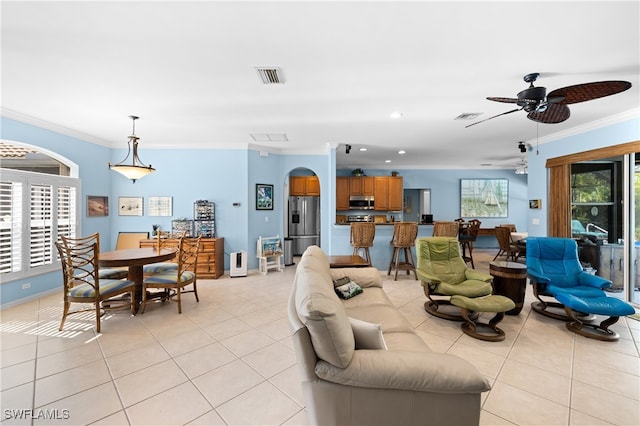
{"points": [[302, 225]]}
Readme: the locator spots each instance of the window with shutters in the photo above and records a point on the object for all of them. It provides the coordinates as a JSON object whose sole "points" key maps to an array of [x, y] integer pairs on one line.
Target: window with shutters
{"points": [[35, 210]]}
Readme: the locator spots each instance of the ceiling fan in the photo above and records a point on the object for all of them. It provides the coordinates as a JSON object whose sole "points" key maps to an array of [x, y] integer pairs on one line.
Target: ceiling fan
{"points": [[552, 108]]}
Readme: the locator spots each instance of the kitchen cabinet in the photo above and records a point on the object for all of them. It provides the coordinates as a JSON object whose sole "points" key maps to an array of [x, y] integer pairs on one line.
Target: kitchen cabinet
{"points": [[304, 185], [395, 193], [381, 192], [388, 193], [361, 185], [342, 192], [210, 256]]}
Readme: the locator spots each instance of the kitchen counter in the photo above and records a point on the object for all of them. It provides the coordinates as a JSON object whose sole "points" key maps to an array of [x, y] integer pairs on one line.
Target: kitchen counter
{"points": [[381, 224]]}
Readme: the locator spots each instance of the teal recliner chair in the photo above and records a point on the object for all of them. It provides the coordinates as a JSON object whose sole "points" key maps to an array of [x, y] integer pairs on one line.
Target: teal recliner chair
{"points": [[555, 272], [443, 272]]}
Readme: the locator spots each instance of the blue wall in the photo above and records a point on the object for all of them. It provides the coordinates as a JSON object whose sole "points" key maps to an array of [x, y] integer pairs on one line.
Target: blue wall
{"points": [[622, 132], [227, 176]]}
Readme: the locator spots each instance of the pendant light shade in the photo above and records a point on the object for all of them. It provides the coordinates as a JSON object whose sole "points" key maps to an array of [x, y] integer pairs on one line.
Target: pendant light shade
{"points": [[137, 169]]}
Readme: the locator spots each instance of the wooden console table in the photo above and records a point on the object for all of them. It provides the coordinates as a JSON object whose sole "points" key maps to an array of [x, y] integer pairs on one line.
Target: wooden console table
{"points": [[347, 261]]}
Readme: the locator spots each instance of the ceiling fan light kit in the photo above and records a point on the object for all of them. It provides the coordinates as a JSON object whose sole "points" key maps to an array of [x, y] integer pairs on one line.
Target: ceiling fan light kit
{"points": [[552, 108]]}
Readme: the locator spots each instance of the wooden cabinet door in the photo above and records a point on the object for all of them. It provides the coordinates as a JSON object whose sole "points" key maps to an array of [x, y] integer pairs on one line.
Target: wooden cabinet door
{"points": [[342, 192], [297, 185], [381, 192], [395, 193], [312, 185], [361, 185]]}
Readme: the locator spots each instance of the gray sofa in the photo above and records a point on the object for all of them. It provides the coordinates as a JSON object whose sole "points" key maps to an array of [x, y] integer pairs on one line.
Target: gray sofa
{"points": [[405, 384]]}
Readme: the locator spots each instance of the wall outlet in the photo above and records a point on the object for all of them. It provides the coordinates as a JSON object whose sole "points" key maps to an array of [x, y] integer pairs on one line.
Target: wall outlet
{"points": [[266, 218], [535, 221], [26, 286]]}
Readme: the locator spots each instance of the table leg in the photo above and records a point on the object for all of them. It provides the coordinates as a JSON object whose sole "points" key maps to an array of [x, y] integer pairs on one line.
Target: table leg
{"points": [[135, 275]]}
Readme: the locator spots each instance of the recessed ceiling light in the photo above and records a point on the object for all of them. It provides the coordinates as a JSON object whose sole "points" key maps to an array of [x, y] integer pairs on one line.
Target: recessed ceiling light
{"points": [[402, 152], [485, 164], [387, 161], [363, 149], [396, 115]]}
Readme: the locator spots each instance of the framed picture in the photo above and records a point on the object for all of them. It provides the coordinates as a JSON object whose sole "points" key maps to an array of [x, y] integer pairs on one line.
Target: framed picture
{"points": [[484, 198], [264, 196], [535, 204], [159, 206], [130, 206], [97, 205]]}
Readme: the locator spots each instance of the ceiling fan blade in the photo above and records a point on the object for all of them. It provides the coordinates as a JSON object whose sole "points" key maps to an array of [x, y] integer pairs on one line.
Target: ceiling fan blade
{"points": [[487, 119], [555, 113], [588, 91], [505, 100]]}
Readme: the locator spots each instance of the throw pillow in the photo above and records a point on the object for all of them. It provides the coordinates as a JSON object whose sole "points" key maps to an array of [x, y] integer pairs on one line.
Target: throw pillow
{"points": [[347, 291], [367, 335]]}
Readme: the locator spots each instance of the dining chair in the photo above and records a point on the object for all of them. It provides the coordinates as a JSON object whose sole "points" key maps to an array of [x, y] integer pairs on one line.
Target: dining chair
{"points": [[82, 282], [164, 239], [178, 279], [104, 273], [507, 248]]}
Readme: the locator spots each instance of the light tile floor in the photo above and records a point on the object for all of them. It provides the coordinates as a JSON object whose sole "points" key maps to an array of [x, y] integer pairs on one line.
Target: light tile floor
{"points": [[229, 360]]}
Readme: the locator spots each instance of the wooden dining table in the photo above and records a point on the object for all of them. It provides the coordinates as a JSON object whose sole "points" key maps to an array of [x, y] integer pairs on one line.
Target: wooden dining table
{"points": [[135, 259]]}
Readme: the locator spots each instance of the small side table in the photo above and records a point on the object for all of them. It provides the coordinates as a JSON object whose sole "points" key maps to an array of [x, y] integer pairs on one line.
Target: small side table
{"points": [[510, 279]]}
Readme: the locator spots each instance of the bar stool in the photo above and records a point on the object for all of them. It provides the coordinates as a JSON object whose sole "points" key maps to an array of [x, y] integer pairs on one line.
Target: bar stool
{"points": [[362, 235], [446, 229], [467, 238], [404, 237]]}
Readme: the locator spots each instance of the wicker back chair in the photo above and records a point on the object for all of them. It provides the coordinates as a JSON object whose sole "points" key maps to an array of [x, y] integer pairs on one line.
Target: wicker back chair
{"points": [[362, 236], [446, 229], [404, 237]]}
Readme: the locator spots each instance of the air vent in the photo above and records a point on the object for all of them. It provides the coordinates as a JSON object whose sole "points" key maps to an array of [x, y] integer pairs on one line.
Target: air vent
{"points": [[269, 137], [270, 75], [468, 116]]}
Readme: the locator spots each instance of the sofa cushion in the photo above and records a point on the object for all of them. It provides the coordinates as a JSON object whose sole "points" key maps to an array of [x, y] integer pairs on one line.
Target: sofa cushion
{"points": [[320, 310], [367, 335]]}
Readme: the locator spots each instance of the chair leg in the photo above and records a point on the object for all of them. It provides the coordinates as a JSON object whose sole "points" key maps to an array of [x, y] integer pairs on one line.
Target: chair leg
{"points": [[144, 299], [97, 303], [411, 262], [179, 294], [65, 312], [392, 261], [195, 291]]}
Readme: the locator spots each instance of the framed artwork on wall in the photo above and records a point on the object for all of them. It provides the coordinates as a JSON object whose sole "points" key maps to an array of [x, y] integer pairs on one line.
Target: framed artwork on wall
{"points": [[484, 198], [159, 206], [130, 206], [264, 196], [97, 205]]}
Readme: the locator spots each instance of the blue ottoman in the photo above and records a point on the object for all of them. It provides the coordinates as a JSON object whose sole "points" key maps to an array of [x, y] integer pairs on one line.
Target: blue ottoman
{"points": [[607, 306]]}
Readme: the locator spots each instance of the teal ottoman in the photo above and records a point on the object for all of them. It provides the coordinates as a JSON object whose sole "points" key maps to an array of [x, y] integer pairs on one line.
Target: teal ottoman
{"points": [[491, 303], [609, 307]]}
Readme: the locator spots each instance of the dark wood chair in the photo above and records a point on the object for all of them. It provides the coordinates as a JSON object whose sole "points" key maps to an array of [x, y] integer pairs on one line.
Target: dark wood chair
{"points": [[507, 248], [467, 237]]}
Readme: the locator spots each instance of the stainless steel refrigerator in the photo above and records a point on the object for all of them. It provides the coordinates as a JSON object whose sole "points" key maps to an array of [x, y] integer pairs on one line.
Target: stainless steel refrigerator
{"points": [[304, 222]]}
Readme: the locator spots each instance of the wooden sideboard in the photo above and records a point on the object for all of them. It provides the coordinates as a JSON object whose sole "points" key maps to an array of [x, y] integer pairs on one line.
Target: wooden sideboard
{"points": [[210, 256]]}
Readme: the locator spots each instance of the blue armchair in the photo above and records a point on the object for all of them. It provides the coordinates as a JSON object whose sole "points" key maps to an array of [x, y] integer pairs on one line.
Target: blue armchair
{"points": [[553, 268]]}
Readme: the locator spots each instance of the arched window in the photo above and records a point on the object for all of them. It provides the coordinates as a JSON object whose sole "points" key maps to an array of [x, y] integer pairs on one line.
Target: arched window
{"points": [[39, 202]]}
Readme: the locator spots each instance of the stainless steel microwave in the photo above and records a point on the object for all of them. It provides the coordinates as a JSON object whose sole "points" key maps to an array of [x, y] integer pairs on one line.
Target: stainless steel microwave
{"points": [[361, 202]]}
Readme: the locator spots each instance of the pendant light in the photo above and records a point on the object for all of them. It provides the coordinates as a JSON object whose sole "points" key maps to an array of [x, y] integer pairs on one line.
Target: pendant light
{"points": [[137, 169]]}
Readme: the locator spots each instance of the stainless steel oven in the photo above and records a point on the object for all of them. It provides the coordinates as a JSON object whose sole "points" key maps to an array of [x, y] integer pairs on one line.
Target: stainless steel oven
{"points": [[361, 202]]}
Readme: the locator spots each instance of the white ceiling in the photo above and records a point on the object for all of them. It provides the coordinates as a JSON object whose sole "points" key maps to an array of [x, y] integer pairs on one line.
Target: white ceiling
{"points": [[188, 71]]}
